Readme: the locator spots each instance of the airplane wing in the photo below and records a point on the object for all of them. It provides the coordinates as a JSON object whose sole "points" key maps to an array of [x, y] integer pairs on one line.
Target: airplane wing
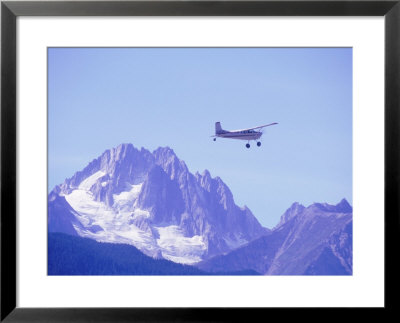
{"points": [[259, 127]]}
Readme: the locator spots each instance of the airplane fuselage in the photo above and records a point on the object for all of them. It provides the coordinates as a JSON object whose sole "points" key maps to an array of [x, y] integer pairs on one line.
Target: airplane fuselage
{"points": [[241, 135]]}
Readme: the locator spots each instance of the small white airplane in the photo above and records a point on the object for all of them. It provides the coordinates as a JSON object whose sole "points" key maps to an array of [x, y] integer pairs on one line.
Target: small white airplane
{"points": [[242, 134]]}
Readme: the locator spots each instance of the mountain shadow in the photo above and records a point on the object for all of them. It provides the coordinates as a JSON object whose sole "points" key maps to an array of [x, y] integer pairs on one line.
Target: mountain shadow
{"points": [[74, 255]]}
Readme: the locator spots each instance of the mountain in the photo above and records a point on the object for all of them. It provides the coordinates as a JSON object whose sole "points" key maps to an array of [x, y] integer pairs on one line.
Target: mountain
{"points": [[313, 240], [150, 200]]}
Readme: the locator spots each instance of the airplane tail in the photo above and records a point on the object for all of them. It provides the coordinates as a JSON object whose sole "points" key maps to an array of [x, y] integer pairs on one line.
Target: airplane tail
{"points": [[218, 128]]}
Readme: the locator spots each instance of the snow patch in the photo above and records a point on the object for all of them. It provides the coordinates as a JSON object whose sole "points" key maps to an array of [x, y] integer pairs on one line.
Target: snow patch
{"points": [[137, 213], [117, 227], [127, 198], [127, 235], [178, 248], [113, 224], [91, 180]]}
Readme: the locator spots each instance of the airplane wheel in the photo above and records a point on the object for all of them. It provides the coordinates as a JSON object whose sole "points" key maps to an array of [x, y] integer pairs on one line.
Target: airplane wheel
{"points": [[258, 144], [247, 145], [215, 139]]}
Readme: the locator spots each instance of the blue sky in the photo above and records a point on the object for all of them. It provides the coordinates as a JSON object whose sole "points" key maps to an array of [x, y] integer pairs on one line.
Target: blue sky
{"points": [[99, 98]]}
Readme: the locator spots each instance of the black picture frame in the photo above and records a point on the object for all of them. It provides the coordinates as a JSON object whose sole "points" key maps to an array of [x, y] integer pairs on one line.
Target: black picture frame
{"points": [[10, 10]]}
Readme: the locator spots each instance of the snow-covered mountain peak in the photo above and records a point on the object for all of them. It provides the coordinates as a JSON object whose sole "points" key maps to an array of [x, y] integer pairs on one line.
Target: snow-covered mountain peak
{"points": [[152, 201]]}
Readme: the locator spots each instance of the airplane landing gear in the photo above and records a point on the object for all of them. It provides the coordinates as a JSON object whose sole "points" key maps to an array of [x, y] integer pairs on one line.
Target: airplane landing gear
{"points": [[215, 139], [258, 143], [247, 145]]}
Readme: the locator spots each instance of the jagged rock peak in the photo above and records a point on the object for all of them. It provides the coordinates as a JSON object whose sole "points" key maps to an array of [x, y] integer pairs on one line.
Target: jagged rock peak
{"points": [[298, 209], [117, 154], [205, 178], [167, 159], [124, 147], [163, 153], [122, 151], [294, 210], [344, 207]]}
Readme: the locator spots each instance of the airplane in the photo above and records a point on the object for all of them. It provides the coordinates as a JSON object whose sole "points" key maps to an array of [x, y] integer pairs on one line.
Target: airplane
{"points": [[242, 134]]}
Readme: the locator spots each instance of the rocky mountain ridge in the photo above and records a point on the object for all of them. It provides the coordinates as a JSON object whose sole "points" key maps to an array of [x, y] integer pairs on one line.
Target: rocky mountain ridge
{"points": [[313, 240]]}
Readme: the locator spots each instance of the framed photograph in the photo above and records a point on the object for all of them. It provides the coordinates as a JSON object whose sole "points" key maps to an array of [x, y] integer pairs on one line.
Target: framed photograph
{"points": [[197, 160]]}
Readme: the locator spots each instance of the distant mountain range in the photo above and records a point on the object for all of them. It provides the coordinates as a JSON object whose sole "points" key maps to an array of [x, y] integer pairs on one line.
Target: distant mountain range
{"points": [[316, 240], [150, 201]]}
